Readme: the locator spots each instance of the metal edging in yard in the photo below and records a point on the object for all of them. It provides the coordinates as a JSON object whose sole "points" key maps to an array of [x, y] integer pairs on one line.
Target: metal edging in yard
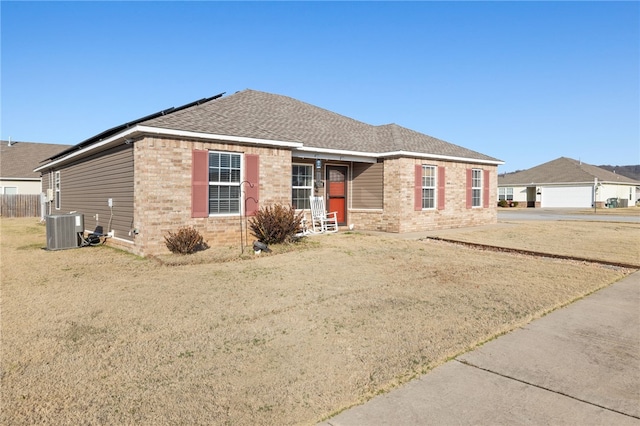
{"points": [[535, 253]]}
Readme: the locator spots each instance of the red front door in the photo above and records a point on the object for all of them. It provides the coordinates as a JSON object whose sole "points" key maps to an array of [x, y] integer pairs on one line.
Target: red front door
{"points": [[337, 192]]}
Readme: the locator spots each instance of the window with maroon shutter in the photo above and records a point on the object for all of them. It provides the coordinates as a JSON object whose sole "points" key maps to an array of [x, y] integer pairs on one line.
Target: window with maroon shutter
{"points": [[469, 190], [216, 186], [429, 187], [252, 185], [441, 188], [224, 182], [199, 183], [417, 202], [485, 189]]}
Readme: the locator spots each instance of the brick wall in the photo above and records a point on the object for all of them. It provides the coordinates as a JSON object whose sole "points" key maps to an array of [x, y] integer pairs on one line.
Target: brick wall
{"points": [[163, 191], [399, 214], [162, 187]]}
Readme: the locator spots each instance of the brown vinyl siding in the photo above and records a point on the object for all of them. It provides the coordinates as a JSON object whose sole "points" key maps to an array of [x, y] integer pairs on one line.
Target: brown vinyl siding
{"points": [[367, 187], [46, 182], [87, 185]]}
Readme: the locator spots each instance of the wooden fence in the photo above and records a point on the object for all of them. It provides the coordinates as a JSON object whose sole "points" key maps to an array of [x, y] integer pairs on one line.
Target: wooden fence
{"points": [[20, 205]]}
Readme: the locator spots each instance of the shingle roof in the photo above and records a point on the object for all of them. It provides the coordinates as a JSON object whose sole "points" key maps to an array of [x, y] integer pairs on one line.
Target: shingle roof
{"points": [[261, 115], [19, 159], [562, 170]]}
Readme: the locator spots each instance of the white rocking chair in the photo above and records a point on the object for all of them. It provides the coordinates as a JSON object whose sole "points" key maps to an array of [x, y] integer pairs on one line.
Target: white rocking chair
{"points": [[321, 221]]}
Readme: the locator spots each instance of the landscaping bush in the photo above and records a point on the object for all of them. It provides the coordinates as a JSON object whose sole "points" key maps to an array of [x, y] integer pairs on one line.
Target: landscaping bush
{"points": [[503, 203], [275, 224], [514, 204], [186, 241]]}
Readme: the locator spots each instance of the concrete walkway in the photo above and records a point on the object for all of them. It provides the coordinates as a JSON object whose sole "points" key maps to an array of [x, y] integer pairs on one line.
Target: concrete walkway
{"points": [[579, 365]]}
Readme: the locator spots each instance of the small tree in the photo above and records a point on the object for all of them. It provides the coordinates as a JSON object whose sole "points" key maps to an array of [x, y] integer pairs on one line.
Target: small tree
{"points": [[186, 241], [275, 224]]}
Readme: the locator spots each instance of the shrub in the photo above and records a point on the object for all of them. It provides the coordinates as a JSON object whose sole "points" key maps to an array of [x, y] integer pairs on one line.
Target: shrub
{"points": [[514, 204], [186, 241], [503, 203], [275, 224]]}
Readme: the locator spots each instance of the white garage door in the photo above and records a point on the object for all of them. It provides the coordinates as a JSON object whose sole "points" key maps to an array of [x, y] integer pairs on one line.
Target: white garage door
{"points": [[567, 196]]}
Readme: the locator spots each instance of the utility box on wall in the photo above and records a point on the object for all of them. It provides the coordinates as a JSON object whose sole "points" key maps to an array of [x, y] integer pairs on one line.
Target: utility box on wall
{"points": [[63, 231]]}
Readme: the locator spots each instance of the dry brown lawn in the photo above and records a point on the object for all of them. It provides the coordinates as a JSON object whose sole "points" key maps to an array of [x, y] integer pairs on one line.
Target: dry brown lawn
{"points": [[98, 336], [616, 242]]}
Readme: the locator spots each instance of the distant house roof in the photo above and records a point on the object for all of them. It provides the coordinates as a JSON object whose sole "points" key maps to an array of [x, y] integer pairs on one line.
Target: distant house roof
{"points": [[261, 115], [562, 170], [18, 160]]}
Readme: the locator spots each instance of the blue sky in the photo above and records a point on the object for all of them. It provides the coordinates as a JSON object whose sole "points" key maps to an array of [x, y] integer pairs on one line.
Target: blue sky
{"points": [[525, 82]]}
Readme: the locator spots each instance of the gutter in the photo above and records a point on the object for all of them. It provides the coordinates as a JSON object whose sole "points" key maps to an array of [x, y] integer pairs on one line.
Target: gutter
{"points": [[30, 179], [366, 157], [439, 157]]}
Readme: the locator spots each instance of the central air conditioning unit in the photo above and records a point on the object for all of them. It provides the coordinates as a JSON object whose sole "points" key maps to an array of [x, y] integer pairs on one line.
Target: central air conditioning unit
{"points": [[64, 230]]}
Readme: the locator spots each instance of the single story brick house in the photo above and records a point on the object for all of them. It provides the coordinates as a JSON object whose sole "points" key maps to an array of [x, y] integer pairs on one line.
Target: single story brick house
{"points": [[212, 163], [565, 182]]}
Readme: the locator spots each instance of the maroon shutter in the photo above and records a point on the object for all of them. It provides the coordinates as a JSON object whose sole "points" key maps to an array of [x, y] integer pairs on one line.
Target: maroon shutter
{"points": [[469, 188], [417, 204], [252, 186], [199, 183], [440, 188], [485, 189]]}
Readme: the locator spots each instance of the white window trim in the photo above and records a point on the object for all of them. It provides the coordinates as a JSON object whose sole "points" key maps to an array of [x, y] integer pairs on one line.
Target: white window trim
{"points": [[310, 188], [503, 191], [434, 187], [230, 184], [57, 187], [476, 188]]}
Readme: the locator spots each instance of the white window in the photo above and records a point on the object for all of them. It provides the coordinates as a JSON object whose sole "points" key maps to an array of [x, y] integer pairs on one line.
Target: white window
{"points": [[505, 194], [301, 185], [57, 190], [476, 188], [428, 187], [10, 190], [224, 183]]}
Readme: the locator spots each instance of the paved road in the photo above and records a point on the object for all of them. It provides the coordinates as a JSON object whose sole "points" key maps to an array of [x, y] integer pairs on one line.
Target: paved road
{"points": [[562, 214], [579, 365]]}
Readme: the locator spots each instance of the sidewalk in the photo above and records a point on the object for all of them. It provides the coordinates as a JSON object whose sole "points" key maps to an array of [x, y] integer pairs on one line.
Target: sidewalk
{"points": [[577, 365]]}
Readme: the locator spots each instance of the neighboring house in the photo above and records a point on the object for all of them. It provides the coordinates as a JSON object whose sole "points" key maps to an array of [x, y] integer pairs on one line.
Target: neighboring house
{"points": [[565, 182], [17, 161], [212, 163], [632, 172]]}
